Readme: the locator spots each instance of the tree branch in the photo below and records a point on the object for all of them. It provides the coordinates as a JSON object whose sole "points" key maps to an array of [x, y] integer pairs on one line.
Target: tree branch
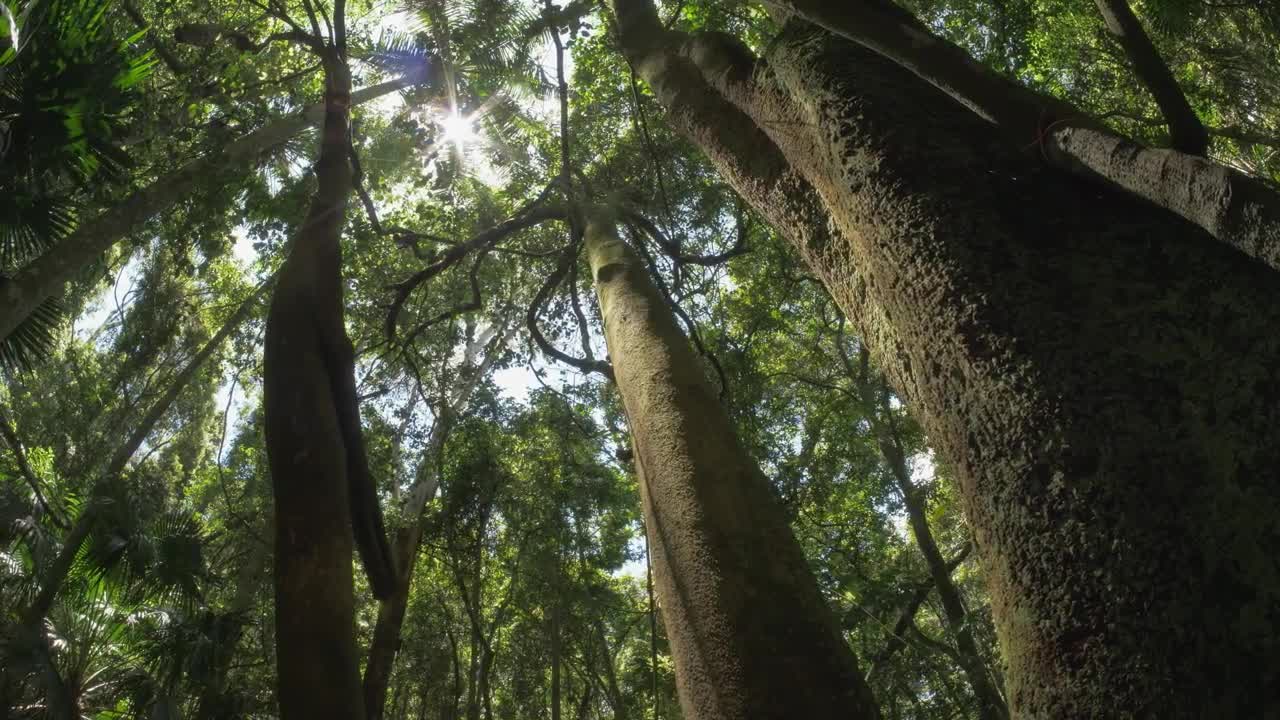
{"points": [[673, 250], [482, 241], [1233, 207], [553, 280], [1186, 132], [906, 619]]}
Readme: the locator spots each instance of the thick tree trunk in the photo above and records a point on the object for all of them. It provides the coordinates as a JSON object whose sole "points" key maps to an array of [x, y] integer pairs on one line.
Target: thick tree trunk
{"points": [[57, 572], [45, 276], [319, 471], [750, 634], [1101, 377], [1235, 208]]}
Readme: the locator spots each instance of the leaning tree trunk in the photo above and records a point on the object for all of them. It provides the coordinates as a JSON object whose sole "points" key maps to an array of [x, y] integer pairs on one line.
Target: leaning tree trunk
{"points": [[45, 276], [1101, 377], [750, 634], [58, 570], [319, 470], [386, 632]]}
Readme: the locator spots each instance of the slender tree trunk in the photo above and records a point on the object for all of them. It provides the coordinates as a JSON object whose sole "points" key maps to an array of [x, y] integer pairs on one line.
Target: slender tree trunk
{"points": [[991, 705], [1100, 376], [386, 632], [1186, 133], [616, 699], [57, 572], [750, 634], [45, 276], [10, 435], [324, 494], [907, 618]]}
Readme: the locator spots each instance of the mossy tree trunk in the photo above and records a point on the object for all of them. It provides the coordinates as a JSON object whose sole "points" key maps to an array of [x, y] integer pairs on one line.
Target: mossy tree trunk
{"points": [[1101, 377], [750, 634]]}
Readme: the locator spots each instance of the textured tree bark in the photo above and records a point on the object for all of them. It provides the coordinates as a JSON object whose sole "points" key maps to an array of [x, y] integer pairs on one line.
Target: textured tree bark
{"points": [[1101, 376], [750, 634], [45, 276], [1239, 210], [319, 470]]}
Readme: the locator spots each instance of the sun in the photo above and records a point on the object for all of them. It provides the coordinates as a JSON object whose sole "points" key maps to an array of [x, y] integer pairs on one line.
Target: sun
{"points": [[458, 130]]}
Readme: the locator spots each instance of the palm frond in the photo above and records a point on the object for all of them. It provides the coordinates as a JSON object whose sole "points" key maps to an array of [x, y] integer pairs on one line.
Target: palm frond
{"points": [[153, 557], [31, 225], [33, 340]]}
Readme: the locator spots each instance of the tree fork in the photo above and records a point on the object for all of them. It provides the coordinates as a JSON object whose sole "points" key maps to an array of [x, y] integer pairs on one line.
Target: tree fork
{"points": [[1060, 347], [1234, 208]]}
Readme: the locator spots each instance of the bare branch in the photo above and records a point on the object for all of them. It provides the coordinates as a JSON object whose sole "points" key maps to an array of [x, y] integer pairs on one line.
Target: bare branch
{"points": [[482, 241], [553, 281], [673, 250]]}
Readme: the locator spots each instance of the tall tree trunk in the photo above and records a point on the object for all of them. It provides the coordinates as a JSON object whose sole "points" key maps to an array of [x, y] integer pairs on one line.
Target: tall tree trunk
{"points": [[57, 572], [45, 276], [750, 634], [386, 633], [1100, 376], [319, 470], [616, 699]]}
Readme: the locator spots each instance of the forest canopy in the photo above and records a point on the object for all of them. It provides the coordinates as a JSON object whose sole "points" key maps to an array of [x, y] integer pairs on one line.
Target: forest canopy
{"points": [[639, 359]]}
